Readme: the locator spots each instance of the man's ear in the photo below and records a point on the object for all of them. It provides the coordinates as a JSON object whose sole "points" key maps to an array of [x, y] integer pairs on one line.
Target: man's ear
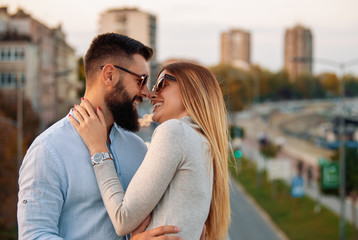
{"points": [[108, 73]]}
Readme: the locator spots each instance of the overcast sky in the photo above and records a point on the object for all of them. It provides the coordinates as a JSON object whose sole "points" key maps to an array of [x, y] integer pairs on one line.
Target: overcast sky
{"points": [[191, 28]]}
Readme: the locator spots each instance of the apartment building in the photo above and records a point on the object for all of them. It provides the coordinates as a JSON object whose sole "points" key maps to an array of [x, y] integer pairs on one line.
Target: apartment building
{"points": [[298, 51], [136, 24], [236, 48], [38, 60]]}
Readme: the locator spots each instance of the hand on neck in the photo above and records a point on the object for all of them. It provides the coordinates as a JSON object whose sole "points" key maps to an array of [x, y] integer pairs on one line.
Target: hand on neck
{"points": [[98, 101]]}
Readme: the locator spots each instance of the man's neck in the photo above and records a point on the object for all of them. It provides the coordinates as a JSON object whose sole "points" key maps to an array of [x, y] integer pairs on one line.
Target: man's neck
{"points": [[98, 102]]}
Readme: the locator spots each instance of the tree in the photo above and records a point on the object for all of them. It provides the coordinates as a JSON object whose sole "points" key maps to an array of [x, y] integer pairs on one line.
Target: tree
{"points": [[235, 85], [351, 85], [308, 87], [351, 156], [8, 151], [330, 83], [81, 75]]}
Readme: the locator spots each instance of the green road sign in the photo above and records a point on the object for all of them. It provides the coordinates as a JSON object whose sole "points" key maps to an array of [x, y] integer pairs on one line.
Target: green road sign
{"points": [[330, 175]]}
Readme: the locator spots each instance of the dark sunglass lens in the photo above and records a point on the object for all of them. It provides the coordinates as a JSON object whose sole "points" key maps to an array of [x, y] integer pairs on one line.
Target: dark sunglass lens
{"points": [[144, 80], [160, 85]]}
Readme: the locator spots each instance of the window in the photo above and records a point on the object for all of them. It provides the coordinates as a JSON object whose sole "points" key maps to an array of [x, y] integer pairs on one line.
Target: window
{"points": [[8, 80], [12, 80], [12, 54], [4, 79], [5, 53], [122, 19], [23, 79], [21, 53]]}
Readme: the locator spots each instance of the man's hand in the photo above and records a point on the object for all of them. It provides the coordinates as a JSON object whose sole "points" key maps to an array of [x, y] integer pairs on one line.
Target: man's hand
{"points": [[154, 234]]}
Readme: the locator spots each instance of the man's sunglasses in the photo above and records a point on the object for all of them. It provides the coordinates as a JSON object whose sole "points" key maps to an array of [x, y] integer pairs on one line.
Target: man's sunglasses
{"points": [[143, 78], [161, 83]]}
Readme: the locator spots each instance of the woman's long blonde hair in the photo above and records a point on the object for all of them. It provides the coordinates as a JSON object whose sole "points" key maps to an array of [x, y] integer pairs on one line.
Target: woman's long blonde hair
{"points": [[204, 102]]}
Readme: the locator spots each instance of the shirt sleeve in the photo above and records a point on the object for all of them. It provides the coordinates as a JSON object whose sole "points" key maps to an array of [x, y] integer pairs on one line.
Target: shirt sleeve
{"points": [[128, 210], [40, 196]]}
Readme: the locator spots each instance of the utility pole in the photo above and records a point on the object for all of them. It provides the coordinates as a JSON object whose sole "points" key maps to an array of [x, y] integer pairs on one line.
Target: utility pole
{"points": [[342, 161], [19, 121]]}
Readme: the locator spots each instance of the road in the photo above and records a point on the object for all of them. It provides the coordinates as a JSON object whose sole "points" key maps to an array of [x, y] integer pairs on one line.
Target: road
{"points": [[247, 221]]}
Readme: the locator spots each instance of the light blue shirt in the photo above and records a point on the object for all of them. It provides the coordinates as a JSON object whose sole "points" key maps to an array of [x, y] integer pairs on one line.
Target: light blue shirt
{"points": [[58, 193]]}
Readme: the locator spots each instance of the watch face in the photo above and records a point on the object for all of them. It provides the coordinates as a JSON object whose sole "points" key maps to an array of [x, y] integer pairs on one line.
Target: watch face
{"points": [[97, 158]]}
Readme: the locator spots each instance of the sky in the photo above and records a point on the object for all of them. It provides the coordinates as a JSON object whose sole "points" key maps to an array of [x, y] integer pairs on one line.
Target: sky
{"points": [[191, 28]]}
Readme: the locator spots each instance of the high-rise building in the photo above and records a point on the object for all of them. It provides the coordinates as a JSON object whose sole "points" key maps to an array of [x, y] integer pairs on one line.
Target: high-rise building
{"points": [[298, 45], [235, 48], [136, 24], [40, 59]]}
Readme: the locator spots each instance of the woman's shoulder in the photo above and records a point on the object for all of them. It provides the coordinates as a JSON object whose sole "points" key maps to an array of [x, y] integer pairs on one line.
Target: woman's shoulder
{"points": [[172, 126], [177, 128]]}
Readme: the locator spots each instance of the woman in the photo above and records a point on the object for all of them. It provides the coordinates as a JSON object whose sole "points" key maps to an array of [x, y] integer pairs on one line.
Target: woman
{"points": [[183, 179]]}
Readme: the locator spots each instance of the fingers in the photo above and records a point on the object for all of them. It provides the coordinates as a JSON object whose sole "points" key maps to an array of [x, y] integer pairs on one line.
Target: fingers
{"points": [[73, 121], [101, 118], [164, 230], [80, 114], [167, 237], [85, 111], [156, 233], [142, 226], [88, 107]]}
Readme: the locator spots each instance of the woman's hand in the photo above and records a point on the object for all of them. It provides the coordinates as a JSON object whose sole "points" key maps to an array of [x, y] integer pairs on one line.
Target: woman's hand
{"points": [[92, 128]]}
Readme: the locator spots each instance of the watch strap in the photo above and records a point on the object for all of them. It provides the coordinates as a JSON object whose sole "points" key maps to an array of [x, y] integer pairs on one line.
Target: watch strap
{"points": [[107, 155]]}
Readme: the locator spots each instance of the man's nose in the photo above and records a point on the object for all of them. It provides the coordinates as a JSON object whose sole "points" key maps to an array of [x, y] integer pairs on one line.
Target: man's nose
{"points": [[144, 92]]}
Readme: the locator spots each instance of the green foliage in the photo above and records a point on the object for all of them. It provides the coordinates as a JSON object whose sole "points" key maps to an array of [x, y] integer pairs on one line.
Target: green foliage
{"points": [[295, 217], [81, 75], [8, 151], [269, 150], [6, 234], [235, 85], [351, 156], [236, 131], [241, 88]]}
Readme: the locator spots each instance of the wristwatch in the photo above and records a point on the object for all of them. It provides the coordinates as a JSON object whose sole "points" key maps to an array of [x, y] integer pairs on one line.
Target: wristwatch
{"points": [[98, 158]]}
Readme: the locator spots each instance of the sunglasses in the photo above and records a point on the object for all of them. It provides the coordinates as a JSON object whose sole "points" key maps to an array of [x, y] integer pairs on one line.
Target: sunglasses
{"points": [[143, 78], [161, 83]]}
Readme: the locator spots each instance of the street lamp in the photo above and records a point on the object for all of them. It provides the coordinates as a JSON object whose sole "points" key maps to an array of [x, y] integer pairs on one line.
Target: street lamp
{"points": [[342, 66], [19, 120]]}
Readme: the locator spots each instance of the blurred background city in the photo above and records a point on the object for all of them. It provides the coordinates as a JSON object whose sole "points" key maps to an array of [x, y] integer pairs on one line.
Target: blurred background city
{"points": [[288, 71]]}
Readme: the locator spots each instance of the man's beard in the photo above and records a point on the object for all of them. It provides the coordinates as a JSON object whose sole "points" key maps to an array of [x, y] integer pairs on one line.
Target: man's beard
{"points": [[120, 104]]}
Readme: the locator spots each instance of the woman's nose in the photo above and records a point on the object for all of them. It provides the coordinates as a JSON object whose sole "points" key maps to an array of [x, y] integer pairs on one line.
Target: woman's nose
{"points": [[152, 95]]}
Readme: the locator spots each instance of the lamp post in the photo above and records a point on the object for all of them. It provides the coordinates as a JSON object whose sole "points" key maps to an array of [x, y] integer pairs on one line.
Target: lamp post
{"points": [[19, 122], [342, 163]]}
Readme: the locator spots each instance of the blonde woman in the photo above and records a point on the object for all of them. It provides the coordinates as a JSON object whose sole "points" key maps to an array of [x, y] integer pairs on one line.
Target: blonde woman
{"points": [[183, 180]]}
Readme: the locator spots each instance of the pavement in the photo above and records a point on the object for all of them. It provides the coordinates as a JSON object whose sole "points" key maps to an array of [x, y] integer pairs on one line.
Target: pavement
{"points": [[248, 220], [293, 151]]}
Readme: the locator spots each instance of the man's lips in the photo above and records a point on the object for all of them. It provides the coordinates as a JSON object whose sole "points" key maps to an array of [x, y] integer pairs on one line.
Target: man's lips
{"points": [[137, 99]]}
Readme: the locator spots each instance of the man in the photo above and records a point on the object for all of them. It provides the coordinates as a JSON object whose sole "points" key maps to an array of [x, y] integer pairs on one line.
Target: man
{"points": [[58, 193]]}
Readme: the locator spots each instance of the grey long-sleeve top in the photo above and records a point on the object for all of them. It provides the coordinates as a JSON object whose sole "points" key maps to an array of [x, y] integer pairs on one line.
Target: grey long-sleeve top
{"points": [[174, 182]]}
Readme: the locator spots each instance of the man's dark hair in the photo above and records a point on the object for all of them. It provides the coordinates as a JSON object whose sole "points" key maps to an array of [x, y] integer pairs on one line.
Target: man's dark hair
{"points": [[115, 49]]}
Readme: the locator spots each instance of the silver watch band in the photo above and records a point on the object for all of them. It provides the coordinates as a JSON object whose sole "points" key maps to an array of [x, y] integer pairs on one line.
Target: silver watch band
{"points": [[99, 157], [107, 155]]}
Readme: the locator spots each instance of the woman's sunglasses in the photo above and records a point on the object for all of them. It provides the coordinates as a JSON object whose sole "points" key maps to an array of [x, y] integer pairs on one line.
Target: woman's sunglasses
{"points": [[161, 83]]}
